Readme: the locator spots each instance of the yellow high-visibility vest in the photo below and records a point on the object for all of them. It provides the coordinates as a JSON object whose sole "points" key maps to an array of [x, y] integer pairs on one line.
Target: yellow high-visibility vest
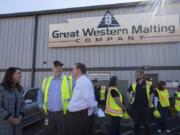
{"points": [[102, 93], [66, 91], [148, 89], [112, 108], [163, 97], [177, 102]]}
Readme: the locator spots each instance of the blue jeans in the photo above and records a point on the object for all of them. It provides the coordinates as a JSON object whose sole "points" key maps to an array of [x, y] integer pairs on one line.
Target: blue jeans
{"points": [[161, 123]]}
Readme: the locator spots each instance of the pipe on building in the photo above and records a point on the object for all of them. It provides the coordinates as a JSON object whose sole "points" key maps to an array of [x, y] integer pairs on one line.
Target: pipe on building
{"points": [[34, 51]]}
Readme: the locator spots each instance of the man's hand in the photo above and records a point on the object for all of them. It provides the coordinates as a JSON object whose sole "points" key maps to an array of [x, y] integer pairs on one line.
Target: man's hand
{"points": [[13, 121], [20, 118], [130, 96]]}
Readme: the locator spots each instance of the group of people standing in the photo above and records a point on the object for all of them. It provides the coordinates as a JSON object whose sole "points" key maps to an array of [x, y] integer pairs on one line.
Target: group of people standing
{"points": [[69, 104], [145, 100]]}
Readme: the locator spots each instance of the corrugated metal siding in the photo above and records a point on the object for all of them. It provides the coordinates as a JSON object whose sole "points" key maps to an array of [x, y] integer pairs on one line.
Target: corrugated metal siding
{"points": [[26, 80], [16, 40], [123, 55], [108, 56], [1, 76], [122, 75]]}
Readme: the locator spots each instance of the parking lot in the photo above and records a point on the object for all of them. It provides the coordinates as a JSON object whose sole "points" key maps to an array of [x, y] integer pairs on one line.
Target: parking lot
{"points": [[37, 128], [173, 123]]}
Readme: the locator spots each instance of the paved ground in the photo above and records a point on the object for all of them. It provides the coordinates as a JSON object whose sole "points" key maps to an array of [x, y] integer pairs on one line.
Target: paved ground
{"points": [[35, 129], [173, 124]]}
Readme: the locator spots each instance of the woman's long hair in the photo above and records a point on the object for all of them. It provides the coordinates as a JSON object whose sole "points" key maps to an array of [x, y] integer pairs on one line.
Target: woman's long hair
{"points": [[113, 81], [8, 81]]}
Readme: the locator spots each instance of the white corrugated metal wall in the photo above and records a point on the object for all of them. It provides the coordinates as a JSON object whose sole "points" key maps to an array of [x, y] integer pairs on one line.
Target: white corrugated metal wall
{"points": [[16, 40], [16, 43], [108, 56]]}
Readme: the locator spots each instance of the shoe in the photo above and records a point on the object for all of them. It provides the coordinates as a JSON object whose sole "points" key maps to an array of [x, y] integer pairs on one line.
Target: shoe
{"points": [[159, 131], [168, 131]]}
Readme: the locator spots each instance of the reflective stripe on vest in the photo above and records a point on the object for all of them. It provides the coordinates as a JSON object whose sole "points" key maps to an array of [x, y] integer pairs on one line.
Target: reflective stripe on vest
{"points": [[65, 92], [112, 108], [163, 97], [148, 89], [177, 101], [102, 93], [70, 84]]}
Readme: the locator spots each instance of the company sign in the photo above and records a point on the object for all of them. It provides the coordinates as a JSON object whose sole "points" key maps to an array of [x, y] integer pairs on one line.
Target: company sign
{"points": [[99, 75], [115, 30]]}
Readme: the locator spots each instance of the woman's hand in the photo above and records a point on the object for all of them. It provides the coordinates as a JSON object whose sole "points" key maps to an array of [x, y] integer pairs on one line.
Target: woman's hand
{"points": [[13, 121], [20, 118]]}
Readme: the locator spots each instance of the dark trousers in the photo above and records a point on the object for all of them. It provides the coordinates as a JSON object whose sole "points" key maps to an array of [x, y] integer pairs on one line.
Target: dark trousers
{"points": [[115, 125], [76, 123], [55, 123], [90, 127], [141, 118], [161, 123]]}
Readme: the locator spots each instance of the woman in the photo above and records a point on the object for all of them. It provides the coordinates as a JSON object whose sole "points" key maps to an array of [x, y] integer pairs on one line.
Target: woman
{"points": [[162, 103], [114, 106], [11, 102]]}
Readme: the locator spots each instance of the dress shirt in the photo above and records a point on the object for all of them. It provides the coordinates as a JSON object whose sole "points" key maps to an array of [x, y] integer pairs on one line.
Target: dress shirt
{"points": [[54, 102], [83, 96]]}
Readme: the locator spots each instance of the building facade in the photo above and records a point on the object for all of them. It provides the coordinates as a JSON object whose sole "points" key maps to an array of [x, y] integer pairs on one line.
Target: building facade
{"points": [[24, 43]]}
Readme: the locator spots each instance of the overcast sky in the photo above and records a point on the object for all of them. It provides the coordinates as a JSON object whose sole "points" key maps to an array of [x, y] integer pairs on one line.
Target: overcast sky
{"points": [[12, 6]]}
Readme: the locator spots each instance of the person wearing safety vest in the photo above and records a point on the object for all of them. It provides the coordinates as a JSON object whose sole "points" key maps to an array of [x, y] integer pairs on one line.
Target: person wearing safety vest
{"points": [[102, 95], [114, 106], [139, 95], [96, 85], [100, 92], [177, 101], [161, 104], [53, 99]]}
